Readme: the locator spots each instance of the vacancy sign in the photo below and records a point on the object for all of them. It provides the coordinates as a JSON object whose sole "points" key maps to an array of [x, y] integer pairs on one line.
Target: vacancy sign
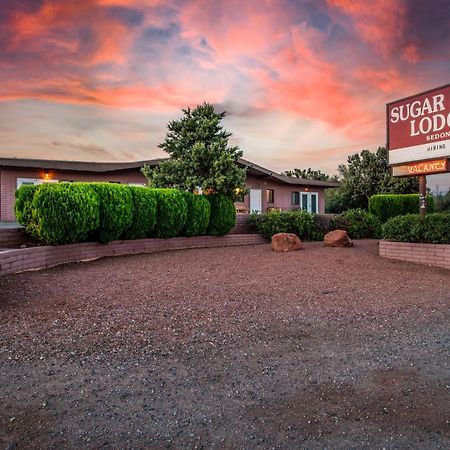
{"points": [[418, 127], [421, 168]]}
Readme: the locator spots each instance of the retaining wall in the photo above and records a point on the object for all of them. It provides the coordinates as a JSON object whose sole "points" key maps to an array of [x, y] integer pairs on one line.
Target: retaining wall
{"points": [[437, 255], [20, 260]]}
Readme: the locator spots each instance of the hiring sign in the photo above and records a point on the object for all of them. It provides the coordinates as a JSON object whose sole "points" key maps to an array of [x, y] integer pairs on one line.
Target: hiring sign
{"points": [[418, 127]]}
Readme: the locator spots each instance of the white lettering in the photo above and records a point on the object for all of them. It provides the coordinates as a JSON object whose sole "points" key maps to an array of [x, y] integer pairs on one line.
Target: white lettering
{"points": [[415, 111], [413, 128], [394, 114], [406, 115], [426, 108], [418, 108], [441, 118], [438, 102], [421, 125]]}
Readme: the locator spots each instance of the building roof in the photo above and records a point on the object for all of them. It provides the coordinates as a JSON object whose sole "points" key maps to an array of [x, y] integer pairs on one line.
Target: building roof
{"points": [[255, 169], [77, 166], [99, 166]]}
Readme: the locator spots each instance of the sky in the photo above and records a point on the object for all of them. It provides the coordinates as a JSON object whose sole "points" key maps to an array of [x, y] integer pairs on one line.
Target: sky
{"points": [[304, 82]]}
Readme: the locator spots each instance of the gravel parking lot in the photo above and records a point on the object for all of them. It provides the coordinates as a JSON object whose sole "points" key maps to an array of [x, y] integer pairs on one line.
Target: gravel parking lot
{"points": [[234, 347]]}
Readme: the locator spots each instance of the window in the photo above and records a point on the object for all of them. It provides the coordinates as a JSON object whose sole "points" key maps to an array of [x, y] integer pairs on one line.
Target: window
{"points": [[310, 202], [296, 198], [270, 196], [21, 181]]}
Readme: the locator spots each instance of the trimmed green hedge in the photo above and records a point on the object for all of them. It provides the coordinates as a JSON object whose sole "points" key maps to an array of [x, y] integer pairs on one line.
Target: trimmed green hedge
{"points": [[306, 225], [144, 213], [198, 214], [65, 212], [59, 213], [385, 206], [358, 223], [432, 228], [171, 212], [223, 215], [23, 208], [116, 210]]}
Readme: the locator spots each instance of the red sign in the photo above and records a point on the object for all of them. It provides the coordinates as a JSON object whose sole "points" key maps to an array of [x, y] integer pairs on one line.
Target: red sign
{"points": [[419, 126], [421, 168]]}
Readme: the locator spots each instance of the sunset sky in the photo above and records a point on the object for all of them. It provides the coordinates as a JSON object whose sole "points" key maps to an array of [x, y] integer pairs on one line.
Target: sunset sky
{"points": [[304, 82]]}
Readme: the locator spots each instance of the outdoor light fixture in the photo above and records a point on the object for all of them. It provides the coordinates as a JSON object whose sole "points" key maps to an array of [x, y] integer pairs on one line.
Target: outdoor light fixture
{"points": [[46, 174]]}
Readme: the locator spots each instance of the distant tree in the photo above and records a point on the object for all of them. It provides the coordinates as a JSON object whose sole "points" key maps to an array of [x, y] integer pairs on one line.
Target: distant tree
{"points": [[442, 202], [366, 174], [200, 155], [337, 201], [309, 174]]}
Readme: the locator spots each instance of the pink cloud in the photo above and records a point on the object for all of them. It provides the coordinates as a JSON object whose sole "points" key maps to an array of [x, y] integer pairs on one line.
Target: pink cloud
{"points": [[330, 64]]}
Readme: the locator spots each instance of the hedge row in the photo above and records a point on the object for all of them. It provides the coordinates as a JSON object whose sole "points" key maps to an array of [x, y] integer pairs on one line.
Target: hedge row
{"points": [[385, 206], [60, 213], [432, 228], [358, 223]]}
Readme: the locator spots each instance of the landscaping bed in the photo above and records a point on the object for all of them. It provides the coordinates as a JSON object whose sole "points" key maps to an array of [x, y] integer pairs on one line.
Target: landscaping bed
{"points": [[233, 347]]}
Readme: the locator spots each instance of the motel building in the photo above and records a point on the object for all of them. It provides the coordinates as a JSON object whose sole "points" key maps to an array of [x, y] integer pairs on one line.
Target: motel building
{"points": [[268, 190]]}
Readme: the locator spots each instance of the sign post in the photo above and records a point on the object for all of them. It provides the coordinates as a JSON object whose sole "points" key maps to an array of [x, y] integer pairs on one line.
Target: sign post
{"points": [[418, 137], [422, 195]]}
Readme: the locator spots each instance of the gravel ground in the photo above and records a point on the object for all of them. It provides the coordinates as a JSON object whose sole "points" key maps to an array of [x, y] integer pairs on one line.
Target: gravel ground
{"points": [[227, 348]]}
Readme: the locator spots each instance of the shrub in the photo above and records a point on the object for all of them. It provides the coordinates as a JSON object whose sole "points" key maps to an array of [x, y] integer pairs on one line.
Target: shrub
{"points": [[65, 212], [269, 224], [171, 212], [435, 228], [223, 215], [198, 214], [306, 225], [403, 228], [23, 208], [432, 228], [144, 213], [116, 210], [385, 206], [358, 223]]}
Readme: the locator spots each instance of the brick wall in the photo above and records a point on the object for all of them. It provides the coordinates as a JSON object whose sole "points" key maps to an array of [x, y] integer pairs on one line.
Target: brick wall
{"points": [[437, 255], [9, 176], [12, 237], [20, 260], [241, 226]]}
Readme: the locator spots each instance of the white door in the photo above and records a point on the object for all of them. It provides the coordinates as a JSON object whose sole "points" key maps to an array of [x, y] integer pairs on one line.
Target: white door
{"points": [[255, 200]]}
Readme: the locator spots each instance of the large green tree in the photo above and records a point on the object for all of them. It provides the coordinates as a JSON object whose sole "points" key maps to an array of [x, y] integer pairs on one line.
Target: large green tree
{"points": [[200, 155], [366, 174]]}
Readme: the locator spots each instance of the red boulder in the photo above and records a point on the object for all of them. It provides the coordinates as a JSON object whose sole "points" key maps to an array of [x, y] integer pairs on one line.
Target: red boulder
{"points": [[285, 242], [337, 238]]}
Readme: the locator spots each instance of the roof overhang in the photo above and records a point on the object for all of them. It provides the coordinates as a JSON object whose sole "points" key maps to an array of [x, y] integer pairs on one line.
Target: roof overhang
{"points": [[103, 167]]}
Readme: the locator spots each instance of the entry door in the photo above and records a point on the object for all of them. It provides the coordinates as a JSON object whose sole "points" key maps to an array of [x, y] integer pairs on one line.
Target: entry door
{"points": [[255, 200], [310, 202]]}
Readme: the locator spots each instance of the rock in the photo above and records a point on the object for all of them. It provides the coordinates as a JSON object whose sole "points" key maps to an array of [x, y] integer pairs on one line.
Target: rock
{"points": [[285, 242], [337, 238]]}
